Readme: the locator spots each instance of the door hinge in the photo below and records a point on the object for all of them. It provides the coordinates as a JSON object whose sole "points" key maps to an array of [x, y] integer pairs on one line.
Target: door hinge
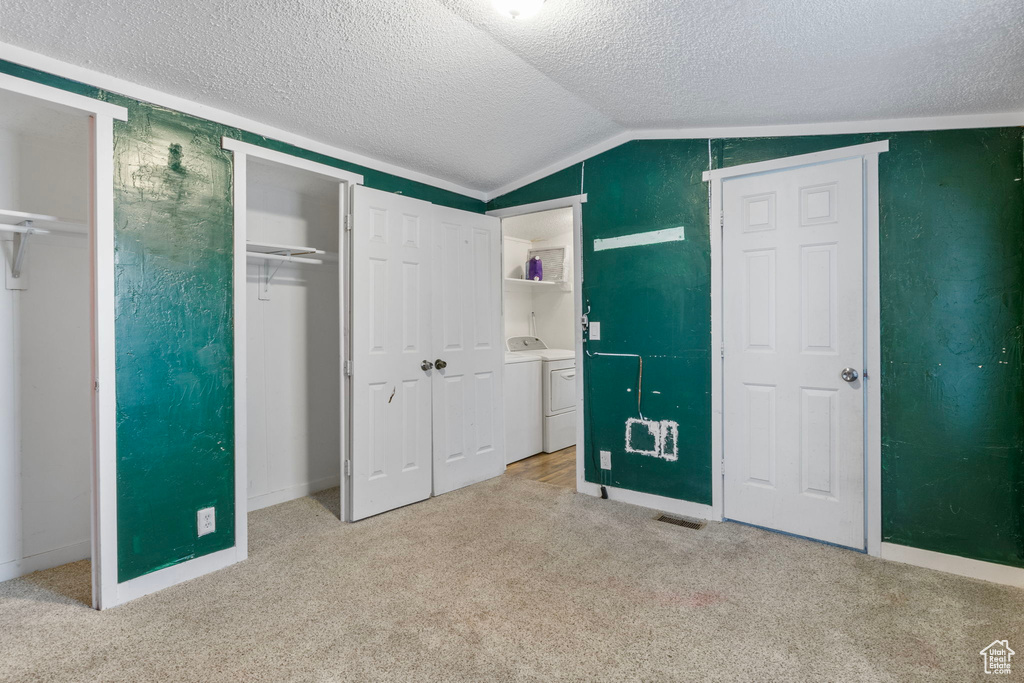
{"points": [[96, 385], [348, 468], [722, 349], [721, 221], [348, 368], [348, 222]]}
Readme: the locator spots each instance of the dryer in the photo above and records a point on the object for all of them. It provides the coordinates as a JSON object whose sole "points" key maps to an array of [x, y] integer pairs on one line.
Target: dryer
{"points": [[558, 381]]}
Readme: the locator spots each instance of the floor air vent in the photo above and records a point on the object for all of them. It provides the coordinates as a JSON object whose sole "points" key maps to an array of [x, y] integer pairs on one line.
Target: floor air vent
{"points": [[681, 521]]}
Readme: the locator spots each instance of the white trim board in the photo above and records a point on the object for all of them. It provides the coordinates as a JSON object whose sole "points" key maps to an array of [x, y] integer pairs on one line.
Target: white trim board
{"points": [[61, 97], [290, 160], [996, 120], [34, 60], [798, 160], [241, 151], [640, 239], [872, 331], [173, 575], [575, 202], [673, 506], [954, 564], [292, 493], [45, 560], [100, 80]]}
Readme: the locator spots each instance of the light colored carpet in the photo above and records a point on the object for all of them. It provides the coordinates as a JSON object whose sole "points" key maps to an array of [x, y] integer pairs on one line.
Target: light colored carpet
{"points": [[514, 580]]}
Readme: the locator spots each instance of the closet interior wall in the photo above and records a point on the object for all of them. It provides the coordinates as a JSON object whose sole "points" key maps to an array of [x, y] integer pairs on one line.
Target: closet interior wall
{"points": [[553, 308], [293, 337], [45, 341]]}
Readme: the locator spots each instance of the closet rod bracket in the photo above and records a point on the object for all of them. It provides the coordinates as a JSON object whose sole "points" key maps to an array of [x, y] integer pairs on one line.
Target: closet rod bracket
{"points": [[20, 245]]}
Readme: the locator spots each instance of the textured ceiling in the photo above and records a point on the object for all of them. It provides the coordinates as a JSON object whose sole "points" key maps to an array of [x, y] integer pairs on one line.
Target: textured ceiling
{"points": [[452, 89]]}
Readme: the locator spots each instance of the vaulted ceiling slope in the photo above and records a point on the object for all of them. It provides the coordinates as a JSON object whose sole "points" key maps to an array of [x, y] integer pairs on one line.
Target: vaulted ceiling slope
{"points": [[453, 89]]}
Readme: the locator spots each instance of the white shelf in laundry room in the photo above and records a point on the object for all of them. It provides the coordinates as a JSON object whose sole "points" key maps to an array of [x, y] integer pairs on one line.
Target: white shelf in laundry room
{"points": [[517, 283]]}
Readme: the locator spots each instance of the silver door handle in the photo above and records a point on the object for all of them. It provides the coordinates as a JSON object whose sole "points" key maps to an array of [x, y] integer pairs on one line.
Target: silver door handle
{"points": [[440, 364], [849, 375], [426, 365]]}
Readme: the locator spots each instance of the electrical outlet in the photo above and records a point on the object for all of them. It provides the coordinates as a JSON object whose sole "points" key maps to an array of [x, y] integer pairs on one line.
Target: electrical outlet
{"points": [[206, 521], [595, 331], [606, 460]]}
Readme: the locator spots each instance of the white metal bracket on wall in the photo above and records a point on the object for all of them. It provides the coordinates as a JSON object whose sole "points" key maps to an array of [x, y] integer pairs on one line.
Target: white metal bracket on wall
{"points": [[22, 234]]}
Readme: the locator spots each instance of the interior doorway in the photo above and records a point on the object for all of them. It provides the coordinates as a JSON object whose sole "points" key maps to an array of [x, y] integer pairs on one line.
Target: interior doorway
{"points": [[541, 316], [795, 436], [56, 335]]}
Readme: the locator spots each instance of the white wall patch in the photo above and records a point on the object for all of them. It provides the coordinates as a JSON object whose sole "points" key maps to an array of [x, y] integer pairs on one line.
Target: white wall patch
{"points": [[640, 239], [663, 435]]}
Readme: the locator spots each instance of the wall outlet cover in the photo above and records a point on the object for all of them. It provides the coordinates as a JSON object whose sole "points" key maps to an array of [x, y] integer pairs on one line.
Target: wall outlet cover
{"points": [[595, 331], [206, 521], [606, 460]]}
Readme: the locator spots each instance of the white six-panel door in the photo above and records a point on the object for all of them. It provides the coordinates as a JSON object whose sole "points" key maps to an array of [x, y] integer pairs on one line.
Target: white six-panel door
{"points": [[793, 320], [391, 336], [425, 287], [469, 441]]}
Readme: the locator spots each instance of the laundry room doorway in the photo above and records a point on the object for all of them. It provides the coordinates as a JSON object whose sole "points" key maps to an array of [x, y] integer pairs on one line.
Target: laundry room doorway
{"points": [[541, 314]]}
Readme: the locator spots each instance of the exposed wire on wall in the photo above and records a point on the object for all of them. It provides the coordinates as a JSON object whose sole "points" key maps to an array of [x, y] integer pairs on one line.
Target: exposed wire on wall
{"points": [[587, 401]]}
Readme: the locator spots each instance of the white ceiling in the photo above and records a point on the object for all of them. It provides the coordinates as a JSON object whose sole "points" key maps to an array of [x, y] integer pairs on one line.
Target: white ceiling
{"points": [[452, 89]]}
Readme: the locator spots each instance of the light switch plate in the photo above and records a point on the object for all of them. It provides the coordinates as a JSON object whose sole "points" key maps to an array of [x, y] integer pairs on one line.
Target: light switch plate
{"points": [[206, 521], [595, 331], [606, 460]]}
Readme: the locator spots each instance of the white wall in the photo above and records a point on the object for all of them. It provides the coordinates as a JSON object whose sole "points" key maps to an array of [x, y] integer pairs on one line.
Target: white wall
{"points": [[293, 349], [45, 372], [553, 306]]}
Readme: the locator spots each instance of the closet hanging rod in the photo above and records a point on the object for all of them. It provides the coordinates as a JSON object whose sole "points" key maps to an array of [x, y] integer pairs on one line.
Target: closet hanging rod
{"points": [[52, 223], [24, 229], [284, 257]]}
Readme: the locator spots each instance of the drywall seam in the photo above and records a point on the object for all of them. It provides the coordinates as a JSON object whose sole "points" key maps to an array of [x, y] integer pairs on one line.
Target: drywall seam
{"points": [[34, 60], [640, 239], [995, 120]]}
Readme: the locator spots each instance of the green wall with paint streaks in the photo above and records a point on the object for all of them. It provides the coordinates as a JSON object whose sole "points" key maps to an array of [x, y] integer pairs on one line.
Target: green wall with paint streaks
{"points": [[952, 310], [175, 368]]}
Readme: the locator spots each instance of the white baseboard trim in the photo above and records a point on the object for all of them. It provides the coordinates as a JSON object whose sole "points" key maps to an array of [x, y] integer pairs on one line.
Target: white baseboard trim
{"points": [[265, 500], [165, 578], [46, 560], [954, 564], [674, 506]]}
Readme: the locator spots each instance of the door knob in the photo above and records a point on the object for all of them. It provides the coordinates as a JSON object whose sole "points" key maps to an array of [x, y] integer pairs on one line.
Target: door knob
{"points": [[849, 375], [426, 365], [440, 364]]}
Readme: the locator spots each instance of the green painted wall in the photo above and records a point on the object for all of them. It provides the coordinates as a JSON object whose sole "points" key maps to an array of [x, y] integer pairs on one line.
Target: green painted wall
{"points": [[952, 290], [173, 250]]}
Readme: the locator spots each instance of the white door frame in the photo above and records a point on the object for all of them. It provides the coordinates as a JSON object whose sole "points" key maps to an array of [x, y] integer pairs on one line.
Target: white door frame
{"points": [[101, 255], [575, 202], [872, 373], [241, 152]]}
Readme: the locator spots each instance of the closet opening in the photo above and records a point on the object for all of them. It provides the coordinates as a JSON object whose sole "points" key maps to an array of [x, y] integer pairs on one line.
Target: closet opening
{"points": [[46, 342], [294, 298], [539, 307]]}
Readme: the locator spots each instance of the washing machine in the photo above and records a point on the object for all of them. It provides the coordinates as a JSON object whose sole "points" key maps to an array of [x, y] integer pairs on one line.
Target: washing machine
{"points": [[558, 382], [524, 410]]}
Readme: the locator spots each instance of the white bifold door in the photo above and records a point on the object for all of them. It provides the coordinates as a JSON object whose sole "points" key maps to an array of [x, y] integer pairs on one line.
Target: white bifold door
{"points": [[427, 354], [793, 331]]}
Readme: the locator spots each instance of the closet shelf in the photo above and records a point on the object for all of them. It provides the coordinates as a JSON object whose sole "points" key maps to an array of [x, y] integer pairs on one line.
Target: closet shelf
{"points": [[283, 252], [12, 221]]}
